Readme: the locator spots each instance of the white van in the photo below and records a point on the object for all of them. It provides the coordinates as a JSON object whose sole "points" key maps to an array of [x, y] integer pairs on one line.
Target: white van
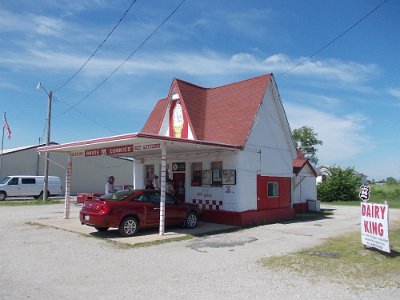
{"points": [[23, 185]]}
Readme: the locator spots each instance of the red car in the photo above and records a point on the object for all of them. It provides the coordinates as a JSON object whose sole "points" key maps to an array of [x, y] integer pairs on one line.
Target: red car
{"points": [[130, 210]]}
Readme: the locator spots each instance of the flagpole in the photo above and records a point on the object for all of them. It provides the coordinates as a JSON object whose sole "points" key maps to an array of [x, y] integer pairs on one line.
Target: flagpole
{"points": [[1, 160]]}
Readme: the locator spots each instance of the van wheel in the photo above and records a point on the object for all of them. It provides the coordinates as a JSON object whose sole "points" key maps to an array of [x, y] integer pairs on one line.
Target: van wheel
{"points": [[41, 194], [3, 196]]}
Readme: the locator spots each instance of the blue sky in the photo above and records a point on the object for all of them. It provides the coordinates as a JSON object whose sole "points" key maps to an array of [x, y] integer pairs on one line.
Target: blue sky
{"points": [[349, 93]]}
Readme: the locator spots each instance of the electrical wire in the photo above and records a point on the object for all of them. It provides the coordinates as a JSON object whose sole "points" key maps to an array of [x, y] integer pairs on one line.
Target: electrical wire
{"points": [[124, 61], [334, 40], [98, 47]]}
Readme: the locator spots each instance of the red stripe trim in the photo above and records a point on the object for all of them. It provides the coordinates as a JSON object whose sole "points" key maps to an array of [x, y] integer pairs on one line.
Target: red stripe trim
{"points": [[132, 136]]}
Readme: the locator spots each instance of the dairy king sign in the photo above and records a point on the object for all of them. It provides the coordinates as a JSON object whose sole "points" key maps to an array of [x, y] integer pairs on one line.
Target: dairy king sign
{"points": [[375, 226]]}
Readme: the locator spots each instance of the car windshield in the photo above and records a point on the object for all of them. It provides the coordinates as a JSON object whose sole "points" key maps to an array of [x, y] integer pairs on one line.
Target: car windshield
{"points": [[117, 196], [123, 187], [5, 179]]}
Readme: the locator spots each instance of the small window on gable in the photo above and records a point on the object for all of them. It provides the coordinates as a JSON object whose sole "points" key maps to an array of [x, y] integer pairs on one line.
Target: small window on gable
{"points": [[273, 189], [197, 172], [216, 168]]}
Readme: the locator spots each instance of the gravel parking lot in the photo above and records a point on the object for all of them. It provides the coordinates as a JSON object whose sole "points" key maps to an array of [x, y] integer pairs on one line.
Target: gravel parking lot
{"points": [[46, 263]]}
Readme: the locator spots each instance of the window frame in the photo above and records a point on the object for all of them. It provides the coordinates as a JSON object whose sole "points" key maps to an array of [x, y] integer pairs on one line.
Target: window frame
{"points": [[216, 169], [274, 190], [196, 167]]}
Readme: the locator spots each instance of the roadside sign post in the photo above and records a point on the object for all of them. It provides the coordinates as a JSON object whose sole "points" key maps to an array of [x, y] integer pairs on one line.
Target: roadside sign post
{"points": [[374, 223]]}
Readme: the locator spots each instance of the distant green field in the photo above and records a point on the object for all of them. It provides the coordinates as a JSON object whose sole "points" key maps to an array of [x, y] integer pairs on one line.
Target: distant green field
{"points": [[379, 194]]}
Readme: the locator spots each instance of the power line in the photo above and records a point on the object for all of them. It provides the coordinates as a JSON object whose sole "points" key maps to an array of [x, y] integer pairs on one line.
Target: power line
{"points": [[335, 39], [97, 49], [125, 61], [94, 121]]}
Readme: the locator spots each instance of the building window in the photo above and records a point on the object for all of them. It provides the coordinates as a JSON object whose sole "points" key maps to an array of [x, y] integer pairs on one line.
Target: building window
{"points": [[197, 171], [273, 189], [216, 168]]}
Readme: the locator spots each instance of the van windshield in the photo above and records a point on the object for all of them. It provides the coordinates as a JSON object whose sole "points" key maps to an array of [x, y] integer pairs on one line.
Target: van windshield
{"points": [[5, 180]]}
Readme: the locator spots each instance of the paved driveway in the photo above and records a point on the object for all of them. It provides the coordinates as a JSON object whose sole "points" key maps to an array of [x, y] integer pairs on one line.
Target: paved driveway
{"points": [[47, 263]]}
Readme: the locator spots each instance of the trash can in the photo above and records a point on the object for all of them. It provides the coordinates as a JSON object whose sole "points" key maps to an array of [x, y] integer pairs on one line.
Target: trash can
{"points": [[313, 205]]}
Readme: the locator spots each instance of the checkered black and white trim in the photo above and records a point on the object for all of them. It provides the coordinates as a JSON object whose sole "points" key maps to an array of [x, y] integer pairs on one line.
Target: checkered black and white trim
{"points": [[208, 204]]}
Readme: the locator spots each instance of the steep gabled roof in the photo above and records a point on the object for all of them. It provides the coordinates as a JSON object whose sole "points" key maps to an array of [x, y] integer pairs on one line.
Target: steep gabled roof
{"points": [[222, 114], [153, 123], [300, 162]]}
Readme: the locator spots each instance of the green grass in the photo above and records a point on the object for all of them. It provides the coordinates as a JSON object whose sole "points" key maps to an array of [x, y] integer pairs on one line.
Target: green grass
{"points": [[344, 259], [379, 194], [29, 202]]}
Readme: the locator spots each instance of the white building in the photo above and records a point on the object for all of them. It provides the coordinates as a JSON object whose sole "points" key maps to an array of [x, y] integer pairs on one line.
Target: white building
{"points": [[228, 149], [89, 174]]}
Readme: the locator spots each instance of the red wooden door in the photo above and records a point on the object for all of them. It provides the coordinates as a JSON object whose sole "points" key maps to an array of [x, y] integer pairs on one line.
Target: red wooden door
{"points": [[282, 197]]}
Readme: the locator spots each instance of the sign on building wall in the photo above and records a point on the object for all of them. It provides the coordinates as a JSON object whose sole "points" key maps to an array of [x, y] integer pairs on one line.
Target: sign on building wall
{"points": [[228, 177], [118, 150]]}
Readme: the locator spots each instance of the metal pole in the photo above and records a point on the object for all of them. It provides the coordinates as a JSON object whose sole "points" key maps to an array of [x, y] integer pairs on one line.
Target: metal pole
{"points": [[68, 176], [163, 186], [1, 161], [46, 162]]}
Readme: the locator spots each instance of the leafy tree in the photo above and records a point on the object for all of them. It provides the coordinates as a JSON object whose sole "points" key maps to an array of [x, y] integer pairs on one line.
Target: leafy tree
{"points": [[339, 185], [307, 140], [391, 180]]}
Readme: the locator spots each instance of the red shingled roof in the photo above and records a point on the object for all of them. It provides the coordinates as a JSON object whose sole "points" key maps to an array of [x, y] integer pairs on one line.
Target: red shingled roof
{"points": [[153, 123], [300, 162], [222, 114]]}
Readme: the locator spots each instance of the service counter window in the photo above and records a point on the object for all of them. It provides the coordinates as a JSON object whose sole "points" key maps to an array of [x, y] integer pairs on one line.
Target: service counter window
{"points": [[216, 168], [273, 189], [197, 173]]}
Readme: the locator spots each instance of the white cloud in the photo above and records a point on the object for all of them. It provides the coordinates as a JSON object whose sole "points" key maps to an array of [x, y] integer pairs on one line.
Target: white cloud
{"points": [[394, 92], [48, 26], [343, 137], [345, 71], [333, 72]]}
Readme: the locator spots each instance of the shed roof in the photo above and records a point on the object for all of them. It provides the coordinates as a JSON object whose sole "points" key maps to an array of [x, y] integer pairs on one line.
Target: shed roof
{"points": [[300, 162]]}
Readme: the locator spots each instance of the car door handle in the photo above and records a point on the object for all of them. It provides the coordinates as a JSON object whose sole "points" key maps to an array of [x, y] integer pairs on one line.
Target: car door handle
{"points": [[156, 208]]}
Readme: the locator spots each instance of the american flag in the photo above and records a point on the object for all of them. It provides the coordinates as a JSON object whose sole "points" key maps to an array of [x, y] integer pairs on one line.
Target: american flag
{"points": [[6, 126]]}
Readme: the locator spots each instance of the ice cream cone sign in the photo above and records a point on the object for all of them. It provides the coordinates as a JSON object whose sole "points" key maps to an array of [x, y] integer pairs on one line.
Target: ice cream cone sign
{"points": [[178, 120]]}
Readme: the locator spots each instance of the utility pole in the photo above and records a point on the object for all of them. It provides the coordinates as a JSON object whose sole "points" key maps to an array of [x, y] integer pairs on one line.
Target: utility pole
{"points": [[46, 156]]}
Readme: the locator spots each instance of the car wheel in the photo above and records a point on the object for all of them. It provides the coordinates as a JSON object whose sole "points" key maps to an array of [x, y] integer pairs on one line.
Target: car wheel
{"points": [[3, 196], [191, 220], [129, 226], [101, 228]]}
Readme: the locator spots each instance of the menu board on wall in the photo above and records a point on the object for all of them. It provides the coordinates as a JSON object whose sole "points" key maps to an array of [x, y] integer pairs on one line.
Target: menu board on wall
{"points": [[207, 177], [229, 177]]}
